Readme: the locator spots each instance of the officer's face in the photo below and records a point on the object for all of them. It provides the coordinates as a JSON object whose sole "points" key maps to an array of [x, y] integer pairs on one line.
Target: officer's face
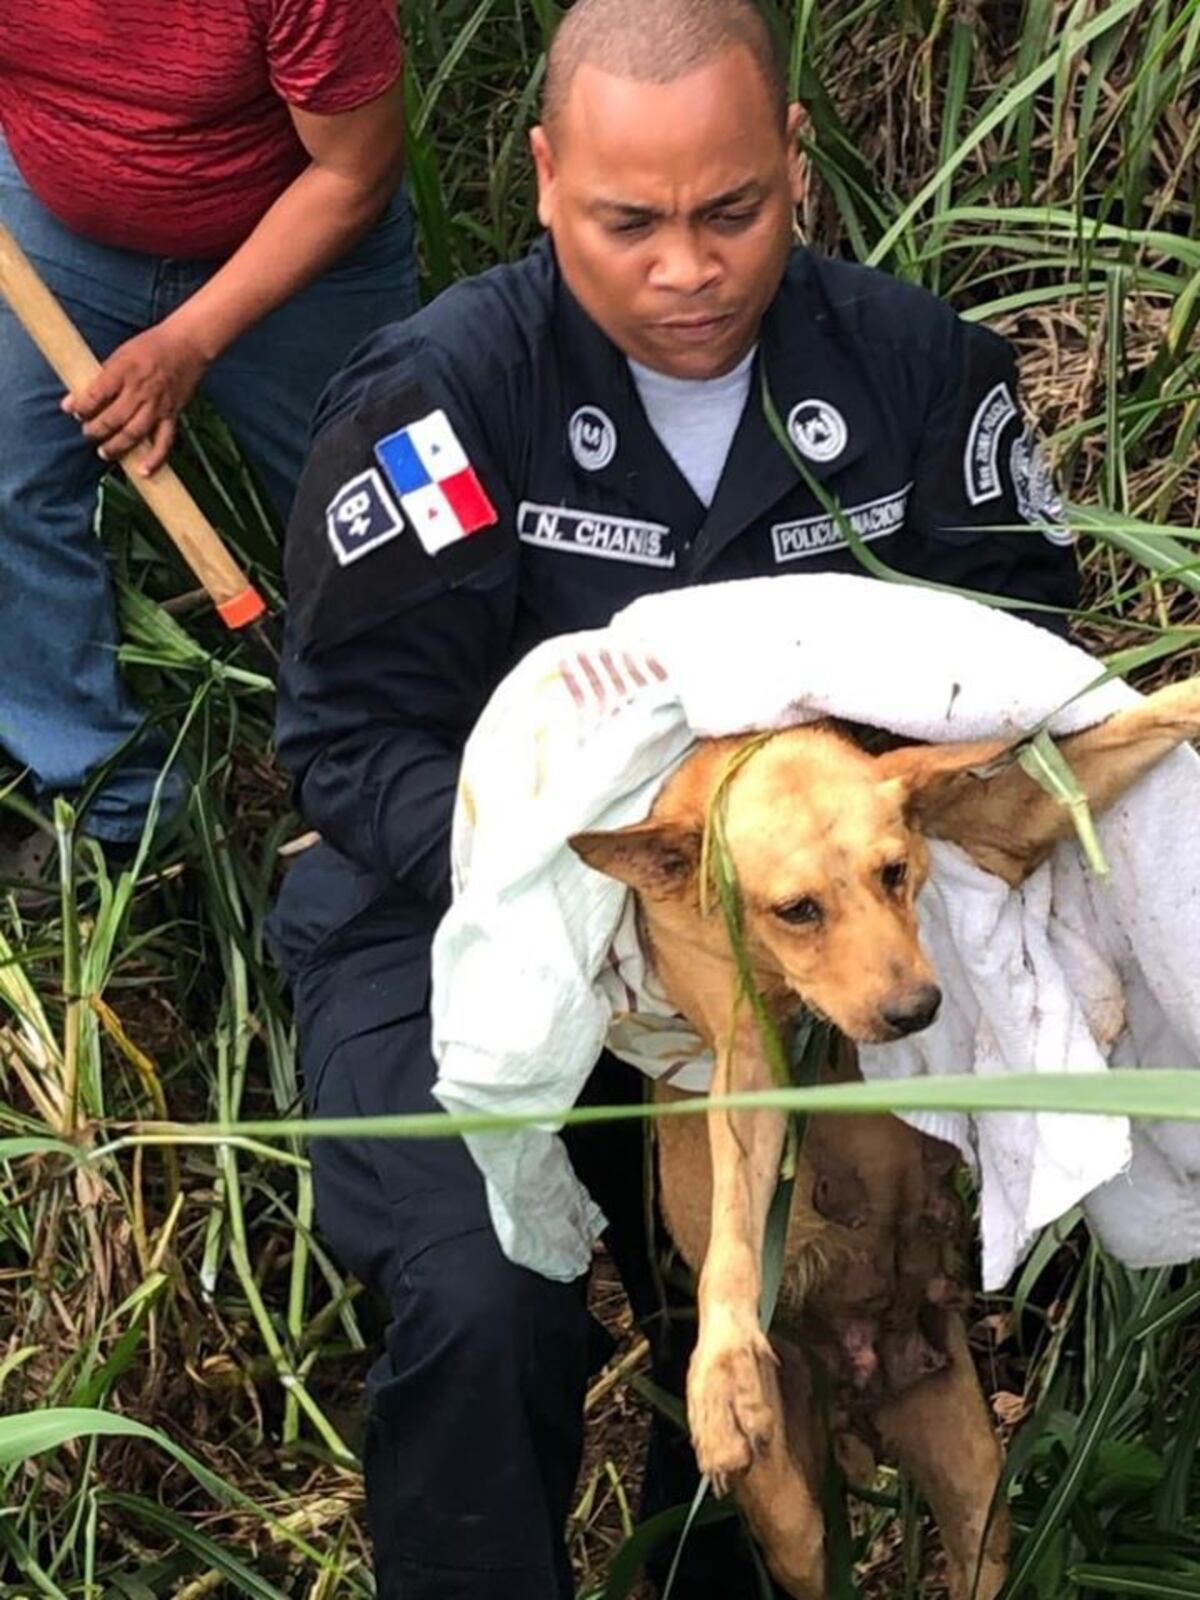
{"points": [[671, 207]]}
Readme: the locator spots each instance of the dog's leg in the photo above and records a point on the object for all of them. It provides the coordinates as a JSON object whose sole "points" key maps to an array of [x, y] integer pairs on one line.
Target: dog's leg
{"points": [[775, 1495], [942, 1433], [778, 1496], [732, 1406]]}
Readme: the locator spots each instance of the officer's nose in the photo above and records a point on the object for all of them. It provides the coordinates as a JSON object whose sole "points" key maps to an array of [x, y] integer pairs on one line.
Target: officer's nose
{"points": [[683, 267]]}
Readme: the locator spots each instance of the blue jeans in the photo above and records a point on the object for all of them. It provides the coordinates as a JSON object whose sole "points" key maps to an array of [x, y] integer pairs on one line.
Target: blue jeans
{"points": [[64, 709]]}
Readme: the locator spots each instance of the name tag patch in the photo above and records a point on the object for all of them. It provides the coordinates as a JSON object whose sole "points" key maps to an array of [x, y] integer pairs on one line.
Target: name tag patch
{"points": [[981, 459], [360, 517], [815, 536], [591, 533]]}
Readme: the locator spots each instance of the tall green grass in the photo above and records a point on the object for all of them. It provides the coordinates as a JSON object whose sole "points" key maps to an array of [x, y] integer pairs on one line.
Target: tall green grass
{"points": [[167, 1308]]}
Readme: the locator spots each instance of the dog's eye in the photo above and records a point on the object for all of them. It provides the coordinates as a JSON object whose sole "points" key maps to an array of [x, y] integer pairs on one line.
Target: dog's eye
{"points": [[804, 910], [894, 875]]}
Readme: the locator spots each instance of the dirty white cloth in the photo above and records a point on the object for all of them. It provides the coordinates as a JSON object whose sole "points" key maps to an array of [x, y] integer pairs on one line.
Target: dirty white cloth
{"points": [[536, 965]]}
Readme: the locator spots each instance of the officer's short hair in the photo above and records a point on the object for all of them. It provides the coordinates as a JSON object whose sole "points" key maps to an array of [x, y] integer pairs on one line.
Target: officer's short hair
{"points": [[657, 41]]}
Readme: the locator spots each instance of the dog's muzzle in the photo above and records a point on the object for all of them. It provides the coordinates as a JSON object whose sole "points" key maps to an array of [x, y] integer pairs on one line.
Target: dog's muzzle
{"points": [[912, 1010]]}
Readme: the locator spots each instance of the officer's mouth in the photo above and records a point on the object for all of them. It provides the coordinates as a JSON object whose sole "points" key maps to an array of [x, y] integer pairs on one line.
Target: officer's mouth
{"points": [[695, 330]]}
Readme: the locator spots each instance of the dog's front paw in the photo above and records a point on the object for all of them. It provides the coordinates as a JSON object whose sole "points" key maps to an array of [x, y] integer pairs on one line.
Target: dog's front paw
{"points": [[730, 1400]]}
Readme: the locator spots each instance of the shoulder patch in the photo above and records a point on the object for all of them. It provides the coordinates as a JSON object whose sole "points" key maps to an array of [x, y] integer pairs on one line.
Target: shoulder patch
{"points": [[1036, 493], [381, 516], [438, 487], [360, 517], [981, 459]]}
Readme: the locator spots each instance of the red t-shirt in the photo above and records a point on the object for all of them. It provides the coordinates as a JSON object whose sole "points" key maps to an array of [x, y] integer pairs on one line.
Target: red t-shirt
{"points": [[162, 125]]}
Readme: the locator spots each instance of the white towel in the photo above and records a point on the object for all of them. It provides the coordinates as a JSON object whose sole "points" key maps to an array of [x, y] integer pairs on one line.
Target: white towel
{"points": [[535, 963]]}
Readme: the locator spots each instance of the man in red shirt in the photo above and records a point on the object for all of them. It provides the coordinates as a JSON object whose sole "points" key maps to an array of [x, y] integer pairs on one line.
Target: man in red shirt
{"points": [[213, 190]]}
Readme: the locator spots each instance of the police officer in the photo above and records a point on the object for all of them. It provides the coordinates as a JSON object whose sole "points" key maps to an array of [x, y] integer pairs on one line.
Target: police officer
{"points": [[525, 456]]}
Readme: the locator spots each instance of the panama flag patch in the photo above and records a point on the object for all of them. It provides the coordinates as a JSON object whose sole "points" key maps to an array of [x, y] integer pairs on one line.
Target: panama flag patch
{"points": [[438, 487]]}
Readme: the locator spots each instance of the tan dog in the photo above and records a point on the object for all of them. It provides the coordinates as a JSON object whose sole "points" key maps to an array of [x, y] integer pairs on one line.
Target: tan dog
{"points": [[828, 846]]}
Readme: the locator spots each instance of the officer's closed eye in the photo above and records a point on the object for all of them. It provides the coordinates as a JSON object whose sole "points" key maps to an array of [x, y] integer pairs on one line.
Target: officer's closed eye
{"points": [[734, 221], [631, 227]]}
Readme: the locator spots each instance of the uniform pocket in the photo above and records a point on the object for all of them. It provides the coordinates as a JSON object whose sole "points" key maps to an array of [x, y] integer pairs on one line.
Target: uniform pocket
{"points": [[343, 1013], [382, 1202]]}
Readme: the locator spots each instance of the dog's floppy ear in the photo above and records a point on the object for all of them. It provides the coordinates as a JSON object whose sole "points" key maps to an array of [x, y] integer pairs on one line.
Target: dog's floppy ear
{"points": [[658, 858], [1007, 822], [946, 793], [926, 775]]}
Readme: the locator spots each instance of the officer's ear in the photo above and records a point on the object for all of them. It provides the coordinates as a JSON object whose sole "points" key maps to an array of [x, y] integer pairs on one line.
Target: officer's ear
{"points": [[797, 126], [544, 165]]}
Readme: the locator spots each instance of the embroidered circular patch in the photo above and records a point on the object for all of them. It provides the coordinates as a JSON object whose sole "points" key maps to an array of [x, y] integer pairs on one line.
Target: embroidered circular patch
{"points": [[817, 429], [593, 438]]}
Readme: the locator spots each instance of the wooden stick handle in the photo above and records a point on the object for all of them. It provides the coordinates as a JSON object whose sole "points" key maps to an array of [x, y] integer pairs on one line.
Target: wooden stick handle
{"points": [[56, 336]]}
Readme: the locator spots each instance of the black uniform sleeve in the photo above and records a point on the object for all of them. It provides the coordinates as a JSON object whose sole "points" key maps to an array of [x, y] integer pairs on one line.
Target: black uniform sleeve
{"points": [[984, 507], [394, 640]]}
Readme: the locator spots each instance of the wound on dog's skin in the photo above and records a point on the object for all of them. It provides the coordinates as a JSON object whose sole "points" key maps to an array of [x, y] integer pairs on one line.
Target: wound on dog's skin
{"points": [[839, 1194]]}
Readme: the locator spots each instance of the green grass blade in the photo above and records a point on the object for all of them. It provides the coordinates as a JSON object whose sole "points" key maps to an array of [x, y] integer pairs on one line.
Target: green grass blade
{"points": [[1010, 101], [33, 1433], [241, 1578]]}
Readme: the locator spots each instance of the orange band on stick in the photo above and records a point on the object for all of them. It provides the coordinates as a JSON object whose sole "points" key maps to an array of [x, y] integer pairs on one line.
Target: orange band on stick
{"points": [[242, 609]]}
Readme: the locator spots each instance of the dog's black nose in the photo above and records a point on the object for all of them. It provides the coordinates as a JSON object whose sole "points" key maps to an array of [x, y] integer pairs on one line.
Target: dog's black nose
{"points": [[914, 1009]]}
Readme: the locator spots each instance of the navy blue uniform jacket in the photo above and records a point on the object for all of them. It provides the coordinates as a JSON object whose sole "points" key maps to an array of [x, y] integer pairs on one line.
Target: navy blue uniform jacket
{"points": [[903, 414]]}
